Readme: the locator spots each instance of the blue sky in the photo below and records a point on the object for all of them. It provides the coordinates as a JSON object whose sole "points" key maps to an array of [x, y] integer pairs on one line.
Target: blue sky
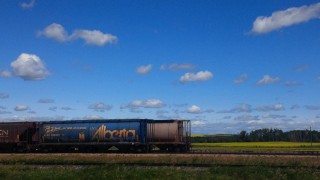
{"points": [[226, 65]]}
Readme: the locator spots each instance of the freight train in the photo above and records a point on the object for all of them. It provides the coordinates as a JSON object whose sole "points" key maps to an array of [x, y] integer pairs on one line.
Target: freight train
{"points": [[123, 135]]}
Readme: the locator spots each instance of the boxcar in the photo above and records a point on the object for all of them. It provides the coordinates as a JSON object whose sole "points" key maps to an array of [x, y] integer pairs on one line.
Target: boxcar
{"points": [[93, 135], [17, 136]]}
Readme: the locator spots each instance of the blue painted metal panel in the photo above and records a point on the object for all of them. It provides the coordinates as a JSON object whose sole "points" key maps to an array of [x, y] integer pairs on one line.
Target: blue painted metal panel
{"points": [[93, 131]]}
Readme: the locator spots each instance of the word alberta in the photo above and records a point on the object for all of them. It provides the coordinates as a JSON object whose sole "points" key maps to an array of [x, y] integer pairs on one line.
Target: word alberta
{"points": [[104, 134]]}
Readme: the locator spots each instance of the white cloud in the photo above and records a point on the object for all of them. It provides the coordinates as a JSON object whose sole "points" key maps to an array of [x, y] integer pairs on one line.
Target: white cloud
{"points": [[197, 110], [194, 109], [243, 78], [5, 74], [285, 18], [199, 76], [275, 107], [149, 103], [94, 37], [29, 67], [91, 37], [29, 5], [100, 107], [175, 67], [198, 123], [144, 69], [318, 77], [266, 79], [21, 108], [55, 31]]}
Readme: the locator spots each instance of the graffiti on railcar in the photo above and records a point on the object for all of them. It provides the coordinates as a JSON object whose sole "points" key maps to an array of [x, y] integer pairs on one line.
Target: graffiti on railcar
{"points": [[103, 133], [53, 129]]}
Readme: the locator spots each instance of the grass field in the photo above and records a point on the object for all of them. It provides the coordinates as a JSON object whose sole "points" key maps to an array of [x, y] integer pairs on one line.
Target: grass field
{"points": [[115, 166], [169, 166], [258, 146]]}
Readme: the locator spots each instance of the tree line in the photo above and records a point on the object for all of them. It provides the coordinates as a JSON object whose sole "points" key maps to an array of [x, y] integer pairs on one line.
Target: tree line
{"points": [[263, 135]]}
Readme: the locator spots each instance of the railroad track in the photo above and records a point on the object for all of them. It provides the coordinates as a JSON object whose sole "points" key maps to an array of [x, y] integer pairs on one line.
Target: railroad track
{"points": [[156, 165], [293, 153]]}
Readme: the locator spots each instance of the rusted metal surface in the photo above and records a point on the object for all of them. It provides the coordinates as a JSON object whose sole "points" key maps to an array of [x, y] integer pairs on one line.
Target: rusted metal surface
{"points": [[16, 132], [166, 132]]}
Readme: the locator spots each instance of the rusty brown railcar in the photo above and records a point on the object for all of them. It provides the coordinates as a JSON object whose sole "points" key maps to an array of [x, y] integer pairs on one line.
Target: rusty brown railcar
{"points": [[17, 136], [170, 135]]}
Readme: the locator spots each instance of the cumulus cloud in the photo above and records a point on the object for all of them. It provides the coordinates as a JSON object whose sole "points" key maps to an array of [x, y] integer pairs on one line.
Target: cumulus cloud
{"points": [[28, 5], [21, 108], [5, 74], [243, 78], [266, 79], [197, 110], [4, 95], [194, 109], [29, 67], [45, 101], [199, 76], [91, 37], [144, 69], [176, 67], [285, 18], [149, 103], [275, 107], [100, 107], [94, 37], [56, 32]]}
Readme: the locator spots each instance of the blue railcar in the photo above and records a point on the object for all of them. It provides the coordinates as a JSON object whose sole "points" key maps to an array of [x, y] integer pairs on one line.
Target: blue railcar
{"points": [[93, 135]]}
